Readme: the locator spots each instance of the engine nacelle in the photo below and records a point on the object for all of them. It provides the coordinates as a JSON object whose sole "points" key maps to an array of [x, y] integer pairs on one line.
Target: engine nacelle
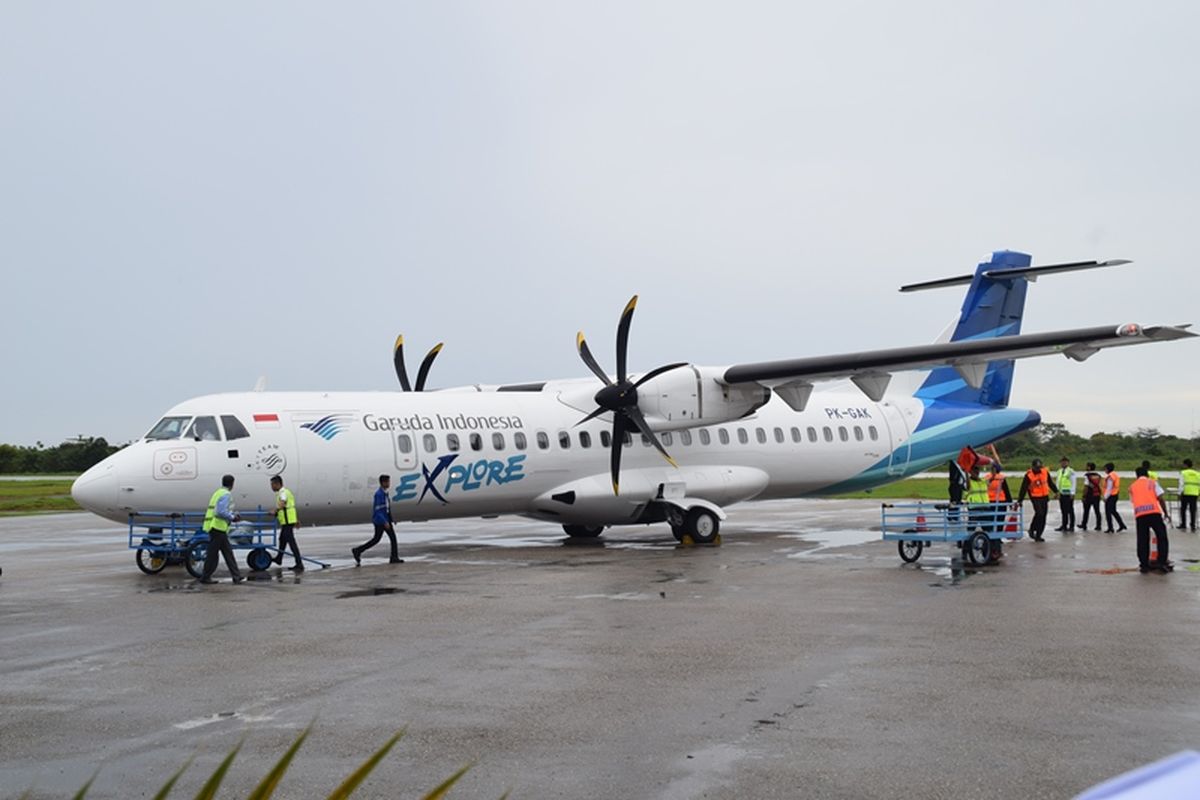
{"points": [[692, 396]]}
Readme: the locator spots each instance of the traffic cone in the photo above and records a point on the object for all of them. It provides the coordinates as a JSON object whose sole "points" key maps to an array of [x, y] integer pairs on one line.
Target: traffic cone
{"points": [[1153, 547], [921, 527]]}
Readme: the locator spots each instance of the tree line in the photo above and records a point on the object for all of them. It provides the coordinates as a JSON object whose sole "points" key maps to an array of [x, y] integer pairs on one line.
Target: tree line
{"points": [[1050, 441], [74, 455]]}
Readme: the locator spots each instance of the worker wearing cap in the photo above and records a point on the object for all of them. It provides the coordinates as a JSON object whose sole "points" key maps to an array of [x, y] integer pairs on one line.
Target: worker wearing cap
{"points": [[1065, 480], [1189, 490], [1038, 485], [1093, 490], [1146, 497], [285, 515]]}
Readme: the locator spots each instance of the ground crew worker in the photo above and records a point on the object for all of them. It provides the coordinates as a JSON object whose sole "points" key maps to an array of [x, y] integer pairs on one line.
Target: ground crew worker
{"points": [[1093, 490], [285, 515], [1065, 480], [1112, 491], [998, 485], [977, 495], [381, 516], [1146, 497], [1038, 485], [1189, 490], [217, 519]]}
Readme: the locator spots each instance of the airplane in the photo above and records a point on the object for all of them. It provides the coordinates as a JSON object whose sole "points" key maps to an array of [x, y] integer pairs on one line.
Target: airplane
{"points": [[677, 444]]}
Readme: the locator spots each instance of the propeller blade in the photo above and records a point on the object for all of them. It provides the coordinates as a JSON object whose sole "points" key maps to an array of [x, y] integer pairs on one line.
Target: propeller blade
{"points": [[654, 373], [589, 359], [620, 425], [635, 414], [592, 416], [398, 361], [623, 337], [423, 372]]}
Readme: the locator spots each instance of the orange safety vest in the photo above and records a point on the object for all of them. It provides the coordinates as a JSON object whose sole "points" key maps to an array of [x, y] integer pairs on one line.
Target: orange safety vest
{"points": [[1143, 497], [1038, 486], [994, 486], [1114, 480]]}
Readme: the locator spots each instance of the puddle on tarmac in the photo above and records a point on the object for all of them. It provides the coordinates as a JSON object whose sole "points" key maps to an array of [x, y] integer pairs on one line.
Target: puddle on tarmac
{"points": [[374, 591], [827, 540]]}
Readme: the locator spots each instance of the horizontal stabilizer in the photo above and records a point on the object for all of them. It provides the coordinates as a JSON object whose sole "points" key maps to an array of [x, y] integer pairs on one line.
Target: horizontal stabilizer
{"points": [[1029, 273]]}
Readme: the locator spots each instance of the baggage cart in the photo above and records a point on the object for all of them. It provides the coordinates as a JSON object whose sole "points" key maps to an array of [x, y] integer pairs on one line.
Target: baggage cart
{"points": [[978, 529]]}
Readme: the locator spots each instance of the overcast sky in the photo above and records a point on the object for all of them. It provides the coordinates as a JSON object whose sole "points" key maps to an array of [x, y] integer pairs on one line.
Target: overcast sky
{"points": [[192, 197]]}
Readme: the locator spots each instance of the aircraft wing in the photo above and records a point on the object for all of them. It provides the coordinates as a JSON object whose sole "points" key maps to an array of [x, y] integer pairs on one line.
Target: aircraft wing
{"points": [[870, 370]]}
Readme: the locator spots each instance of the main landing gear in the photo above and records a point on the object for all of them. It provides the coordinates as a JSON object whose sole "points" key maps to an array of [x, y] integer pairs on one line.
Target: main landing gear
{"points": [[583, 531], [697, 524]]}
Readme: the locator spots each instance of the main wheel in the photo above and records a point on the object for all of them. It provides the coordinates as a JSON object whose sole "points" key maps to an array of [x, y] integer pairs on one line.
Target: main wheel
{"points": [[194, 562], [979, 548], [583, 531], [702, 525], [150, 561], [910, 550], [259, 559]]}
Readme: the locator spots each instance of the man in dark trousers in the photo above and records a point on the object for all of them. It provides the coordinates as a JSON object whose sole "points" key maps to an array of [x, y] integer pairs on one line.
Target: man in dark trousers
{"points": [[381, 515], [1146, 497], [217, 519], [1112, 491], [1038, 485], [1093, 487], [285, 515]]}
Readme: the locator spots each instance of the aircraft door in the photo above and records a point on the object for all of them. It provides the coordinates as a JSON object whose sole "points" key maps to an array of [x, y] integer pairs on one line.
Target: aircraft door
{"points": [[899, 434], [404, 445], [329, 460]]}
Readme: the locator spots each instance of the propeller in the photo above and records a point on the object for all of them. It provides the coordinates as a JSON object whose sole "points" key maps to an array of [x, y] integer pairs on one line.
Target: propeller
{"points": [[422, 373], [621, 398]]}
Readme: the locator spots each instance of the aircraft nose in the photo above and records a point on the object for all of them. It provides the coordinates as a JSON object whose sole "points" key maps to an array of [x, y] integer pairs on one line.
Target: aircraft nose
{"points": [[96, 489]]}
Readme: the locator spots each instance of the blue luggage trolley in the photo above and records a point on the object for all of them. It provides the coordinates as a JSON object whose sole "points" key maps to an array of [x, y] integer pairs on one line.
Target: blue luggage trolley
{"points": [[979, 529], [164, 538]]}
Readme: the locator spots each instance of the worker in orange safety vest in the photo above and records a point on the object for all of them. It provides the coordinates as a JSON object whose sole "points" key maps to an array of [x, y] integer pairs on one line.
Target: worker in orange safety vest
{"points": [[1146, 497], [1038, 485]]}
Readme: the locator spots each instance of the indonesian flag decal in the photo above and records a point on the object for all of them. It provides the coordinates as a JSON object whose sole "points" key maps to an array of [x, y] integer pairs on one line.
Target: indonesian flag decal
{"points": [[266, 420]]}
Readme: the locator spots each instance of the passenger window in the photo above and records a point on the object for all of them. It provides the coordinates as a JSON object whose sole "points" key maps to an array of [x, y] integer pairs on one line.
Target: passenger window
{"points": [[645, 440], [585, 439], [858, 437], [723, 435], [843, 434], [779, 435], [705, 437], [430, 442], [605, 439], [497, 441], [476, 441], [760, 435], [828, 433], [519, 440], [234, 429], [627, 439], [874, 434], [812, 434], [204, 429], [564, 440], [452, 442], [167, 428], [796, 435], [543, 440], [743, 437], [685, 438], [404, 443], [667, 439]]}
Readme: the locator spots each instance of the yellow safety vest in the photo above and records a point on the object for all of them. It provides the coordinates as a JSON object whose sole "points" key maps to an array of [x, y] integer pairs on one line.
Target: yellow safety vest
{"points": [[1189, 481], [211, 520], [978, 491], [285, 501], [1065, 478]]}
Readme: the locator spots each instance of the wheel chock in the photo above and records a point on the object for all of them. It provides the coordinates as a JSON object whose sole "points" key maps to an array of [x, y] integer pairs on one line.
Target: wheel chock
{"points": [[688, 541]]}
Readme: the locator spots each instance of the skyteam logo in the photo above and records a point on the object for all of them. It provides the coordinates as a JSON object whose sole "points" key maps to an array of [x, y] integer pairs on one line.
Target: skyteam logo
{"points": [[329, 426]]}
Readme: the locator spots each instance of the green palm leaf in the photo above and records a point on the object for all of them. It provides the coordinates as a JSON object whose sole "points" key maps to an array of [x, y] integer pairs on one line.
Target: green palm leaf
{"points": [[209, 790], [359, 775], [271, 781], [79, 795], [166, 789], [440, 791]]}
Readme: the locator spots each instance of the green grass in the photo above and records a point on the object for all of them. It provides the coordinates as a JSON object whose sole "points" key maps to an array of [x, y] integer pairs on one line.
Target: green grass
{"points": [[36, 497], [908, 489]]}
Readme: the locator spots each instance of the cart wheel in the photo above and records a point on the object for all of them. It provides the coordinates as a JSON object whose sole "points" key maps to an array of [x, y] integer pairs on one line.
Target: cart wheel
{"points": [[979, 548], [259, 559], [151, 562], [194, 562], [997, 552], [910, 550]]}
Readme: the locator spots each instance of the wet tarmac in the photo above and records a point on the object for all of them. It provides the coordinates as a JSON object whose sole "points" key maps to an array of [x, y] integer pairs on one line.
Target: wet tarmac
{"points": [[799, 659]]}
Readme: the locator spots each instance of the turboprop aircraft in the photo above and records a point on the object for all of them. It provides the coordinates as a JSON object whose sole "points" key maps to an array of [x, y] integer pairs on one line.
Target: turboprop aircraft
{"points": [[676, 444]]}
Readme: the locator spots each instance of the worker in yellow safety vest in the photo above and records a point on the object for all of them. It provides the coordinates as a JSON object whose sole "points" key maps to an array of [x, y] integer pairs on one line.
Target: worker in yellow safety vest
{"points": [[285, 515], [977, 495], [1146, 497], [1189, 490], [217, 519]]}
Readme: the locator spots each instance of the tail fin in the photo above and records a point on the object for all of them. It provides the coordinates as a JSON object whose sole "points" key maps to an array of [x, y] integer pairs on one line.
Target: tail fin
{"points": [[993, 307]]}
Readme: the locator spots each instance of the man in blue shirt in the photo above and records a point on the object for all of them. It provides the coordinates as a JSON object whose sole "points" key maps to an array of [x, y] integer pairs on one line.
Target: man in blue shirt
{"points": [[382, 517], [217, 521]]}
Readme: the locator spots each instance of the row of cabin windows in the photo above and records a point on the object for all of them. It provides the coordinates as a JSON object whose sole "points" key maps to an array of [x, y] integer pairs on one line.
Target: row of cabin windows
{"points": [[475, 441]]}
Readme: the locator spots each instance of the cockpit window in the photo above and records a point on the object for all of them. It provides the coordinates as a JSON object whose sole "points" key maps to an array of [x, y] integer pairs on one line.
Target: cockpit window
{"points": [[168, 428], [234, 429], [204, 429]]}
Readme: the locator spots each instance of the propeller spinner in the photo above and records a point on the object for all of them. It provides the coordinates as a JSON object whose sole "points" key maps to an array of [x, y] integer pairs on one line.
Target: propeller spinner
{"points": [[621, 398], [422, 372]]}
